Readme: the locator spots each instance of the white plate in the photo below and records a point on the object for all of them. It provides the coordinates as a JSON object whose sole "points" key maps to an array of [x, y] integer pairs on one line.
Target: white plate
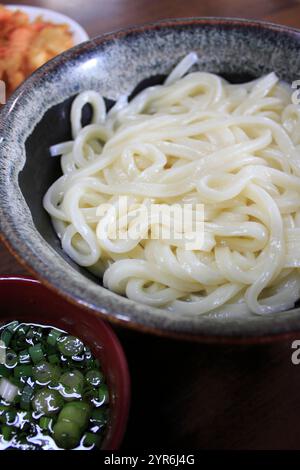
{"points": [[79, 34]]}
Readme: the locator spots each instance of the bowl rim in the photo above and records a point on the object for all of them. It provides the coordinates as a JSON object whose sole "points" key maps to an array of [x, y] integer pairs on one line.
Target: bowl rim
{"points": [[122, 407], [277, 329], [79, 33]]}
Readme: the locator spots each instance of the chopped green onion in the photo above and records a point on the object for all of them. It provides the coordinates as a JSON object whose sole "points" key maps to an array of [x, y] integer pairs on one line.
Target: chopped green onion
{"points": [[66, 434], [7, 432], [12, 326], [8, 417], [94, 377], [70, 346], [48, 402], [26, 397], [45, 373], [90, 439], [3, 408], [36, 353], [76, 412], [19, 342], [8, 332], [54, 359], [24, 357], [23, 371], [71, 385], [103, 394], [91, 396], [17, 398], [34, 335], [8, 391], [4, 372], [6, 337], [30, 333], [11, 359], [53, 337], [45, 423], [22, 329], [99, 416], [24, 420]]}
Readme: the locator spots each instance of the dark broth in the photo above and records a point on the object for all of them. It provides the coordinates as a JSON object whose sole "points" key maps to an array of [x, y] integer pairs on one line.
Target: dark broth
{"points": [[53, 393]]}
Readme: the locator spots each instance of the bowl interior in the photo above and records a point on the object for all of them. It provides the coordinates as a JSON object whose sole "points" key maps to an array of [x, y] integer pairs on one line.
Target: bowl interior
{"points": [[26, 300], [37, 116], [35, 179]]}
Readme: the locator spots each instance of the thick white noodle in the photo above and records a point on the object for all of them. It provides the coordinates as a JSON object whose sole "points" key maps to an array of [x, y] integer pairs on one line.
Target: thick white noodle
{"points": [[196, 139]]}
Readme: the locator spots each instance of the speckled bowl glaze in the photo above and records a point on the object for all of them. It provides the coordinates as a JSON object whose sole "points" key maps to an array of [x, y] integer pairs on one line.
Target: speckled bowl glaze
{"points": [[37, 115]]}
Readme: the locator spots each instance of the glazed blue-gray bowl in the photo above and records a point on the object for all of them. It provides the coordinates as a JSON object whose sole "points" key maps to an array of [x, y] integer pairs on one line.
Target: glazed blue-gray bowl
{"points": [[37, 116]]}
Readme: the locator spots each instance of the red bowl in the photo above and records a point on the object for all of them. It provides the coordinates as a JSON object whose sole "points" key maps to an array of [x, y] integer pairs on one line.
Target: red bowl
{"points": [[27, 300]]}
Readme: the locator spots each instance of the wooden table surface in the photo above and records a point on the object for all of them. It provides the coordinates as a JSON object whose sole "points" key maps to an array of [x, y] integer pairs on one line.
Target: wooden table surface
{"points": [[184, 395]]}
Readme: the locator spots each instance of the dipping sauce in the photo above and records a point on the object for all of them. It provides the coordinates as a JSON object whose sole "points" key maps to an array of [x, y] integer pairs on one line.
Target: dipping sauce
{"points": [[53, 393]]}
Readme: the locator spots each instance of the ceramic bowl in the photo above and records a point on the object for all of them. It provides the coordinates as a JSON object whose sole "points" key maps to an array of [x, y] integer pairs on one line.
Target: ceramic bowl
{"points": [[37, 116], [28, 301]]}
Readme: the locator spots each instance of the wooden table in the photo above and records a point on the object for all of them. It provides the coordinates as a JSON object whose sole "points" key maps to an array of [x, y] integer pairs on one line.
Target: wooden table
{"points": [[188, 395]]}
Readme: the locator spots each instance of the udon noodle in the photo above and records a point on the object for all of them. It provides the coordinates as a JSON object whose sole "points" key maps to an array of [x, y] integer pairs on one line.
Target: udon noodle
{"points": [[196, 139]]}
